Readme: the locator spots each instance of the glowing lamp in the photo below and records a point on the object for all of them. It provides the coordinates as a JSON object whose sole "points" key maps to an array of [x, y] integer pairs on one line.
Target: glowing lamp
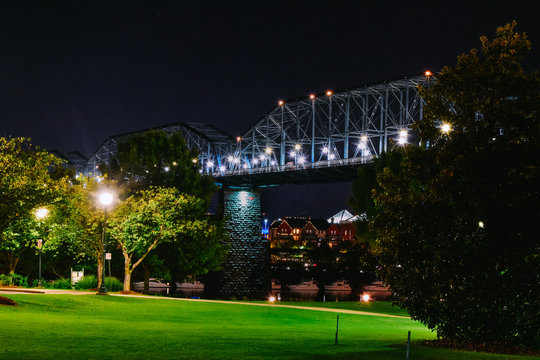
{"points": [[280, 102], [445, 128], [106, 198], [365, 298], [312, 97], [329, 93], [427, 73], [42, 213]]}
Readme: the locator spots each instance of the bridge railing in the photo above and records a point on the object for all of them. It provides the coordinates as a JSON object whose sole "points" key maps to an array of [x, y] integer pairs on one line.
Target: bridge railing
{"points": [[293, 167]]}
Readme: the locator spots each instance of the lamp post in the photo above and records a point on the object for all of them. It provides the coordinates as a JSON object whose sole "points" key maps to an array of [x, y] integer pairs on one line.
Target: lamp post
{"points": [[39, 245], [106, 199], [40, 214]]}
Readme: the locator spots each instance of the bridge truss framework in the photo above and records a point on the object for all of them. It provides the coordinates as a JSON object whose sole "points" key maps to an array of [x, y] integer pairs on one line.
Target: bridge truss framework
{"points": [[332, 129]]}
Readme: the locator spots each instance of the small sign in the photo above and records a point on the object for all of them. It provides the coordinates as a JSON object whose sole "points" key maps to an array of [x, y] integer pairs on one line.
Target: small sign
{"points": [[39, 243], [76, 276], [108, 256]]}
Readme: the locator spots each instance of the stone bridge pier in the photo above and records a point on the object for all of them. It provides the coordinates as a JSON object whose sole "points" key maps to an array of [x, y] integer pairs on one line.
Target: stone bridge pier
{"points": [[246, 271]]}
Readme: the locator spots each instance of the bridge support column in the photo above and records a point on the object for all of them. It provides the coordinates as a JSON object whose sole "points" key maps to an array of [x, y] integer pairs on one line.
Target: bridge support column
{"points": [[246, 271]]}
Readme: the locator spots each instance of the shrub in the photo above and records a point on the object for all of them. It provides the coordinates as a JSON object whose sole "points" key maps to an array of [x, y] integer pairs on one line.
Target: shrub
{"points": [[87, 282], [58, 284], [113, 284], [13, 279]]}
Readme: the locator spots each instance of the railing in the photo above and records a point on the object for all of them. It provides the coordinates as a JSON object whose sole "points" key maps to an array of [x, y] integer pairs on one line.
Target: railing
{"points": [[292, 167]]}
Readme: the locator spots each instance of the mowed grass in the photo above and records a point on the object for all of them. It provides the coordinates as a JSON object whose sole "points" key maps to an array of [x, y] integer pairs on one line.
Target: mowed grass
{"points": [[111, 327]]}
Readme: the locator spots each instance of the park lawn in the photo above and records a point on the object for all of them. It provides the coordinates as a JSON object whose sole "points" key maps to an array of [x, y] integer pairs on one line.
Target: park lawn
{"points": [[385, 307], [112, 327]]}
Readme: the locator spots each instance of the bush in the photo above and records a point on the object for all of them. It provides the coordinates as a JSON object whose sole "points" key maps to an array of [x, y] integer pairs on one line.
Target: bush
{"points": [[58, 284], [13, 279], [87, 282], [113, 284]]}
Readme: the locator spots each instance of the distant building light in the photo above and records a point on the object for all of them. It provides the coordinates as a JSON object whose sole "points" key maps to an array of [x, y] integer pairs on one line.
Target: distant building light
{"points": [[166, 168], [446, 128], [481, 224]]}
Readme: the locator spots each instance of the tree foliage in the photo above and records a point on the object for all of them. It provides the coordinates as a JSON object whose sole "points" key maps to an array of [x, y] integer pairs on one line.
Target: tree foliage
{"points": [[29, 178], [457, 220], [160, 215], [156, 159]]}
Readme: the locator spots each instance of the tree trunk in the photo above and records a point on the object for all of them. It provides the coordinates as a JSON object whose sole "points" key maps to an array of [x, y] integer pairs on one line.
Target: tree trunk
{"points": [[127, 277], [100, 270], [13, 260]]}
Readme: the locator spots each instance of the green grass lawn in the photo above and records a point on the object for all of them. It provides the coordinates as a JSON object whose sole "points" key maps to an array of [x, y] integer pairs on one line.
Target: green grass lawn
{"points": [[109, 327]]}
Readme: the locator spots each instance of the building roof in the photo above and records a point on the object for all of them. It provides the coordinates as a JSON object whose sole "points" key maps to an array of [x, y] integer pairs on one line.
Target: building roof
{"points": [[296, 222], [342, 216], [320, 224]]}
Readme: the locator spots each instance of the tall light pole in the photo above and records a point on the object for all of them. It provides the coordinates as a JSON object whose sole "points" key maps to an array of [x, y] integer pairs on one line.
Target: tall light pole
{"points": [[106, 199], [40, 214]]}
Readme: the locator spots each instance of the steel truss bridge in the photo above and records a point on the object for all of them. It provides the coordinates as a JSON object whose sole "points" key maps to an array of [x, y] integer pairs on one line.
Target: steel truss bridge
{"points": [[323, 137]]}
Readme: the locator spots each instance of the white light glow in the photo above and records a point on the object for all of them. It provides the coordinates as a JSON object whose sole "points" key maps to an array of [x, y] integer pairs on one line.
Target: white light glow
{"points": [[325, 150], [41, 213], [166, 168], [106, 198], [301, 160], [222, 168], [365, 298], [331, 157], [297, 147], [272, 163], [210, 164], [272, 299], [268, 150], [446, 128]]}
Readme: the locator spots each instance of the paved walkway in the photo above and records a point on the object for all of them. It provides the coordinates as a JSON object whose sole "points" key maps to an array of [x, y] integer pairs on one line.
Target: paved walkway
{"points": [[18, 290], [9, 290]]}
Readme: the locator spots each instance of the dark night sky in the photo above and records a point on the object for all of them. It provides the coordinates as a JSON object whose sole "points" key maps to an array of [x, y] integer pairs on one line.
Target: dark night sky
{"points": [[73, 72]]}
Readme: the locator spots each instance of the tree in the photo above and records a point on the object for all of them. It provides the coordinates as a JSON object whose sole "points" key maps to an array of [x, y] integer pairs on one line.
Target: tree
{"points": [[457, 219], [155, 216], [155, 158], [27, 182]]}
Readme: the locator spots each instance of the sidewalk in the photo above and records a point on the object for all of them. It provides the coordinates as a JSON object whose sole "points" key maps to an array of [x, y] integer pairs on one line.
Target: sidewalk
{"points": [[12, 290]]}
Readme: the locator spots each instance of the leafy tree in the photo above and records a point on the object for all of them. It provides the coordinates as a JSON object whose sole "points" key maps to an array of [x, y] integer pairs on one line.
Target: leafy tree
{"points": [[27, 182], [155, 158], [155, 216], [457, 220]]}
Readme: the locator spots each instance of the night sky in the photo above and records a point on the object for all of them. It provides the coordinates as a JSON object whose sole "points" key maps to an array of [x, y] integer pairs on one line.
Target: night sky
{"points": [[73, 73]]}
